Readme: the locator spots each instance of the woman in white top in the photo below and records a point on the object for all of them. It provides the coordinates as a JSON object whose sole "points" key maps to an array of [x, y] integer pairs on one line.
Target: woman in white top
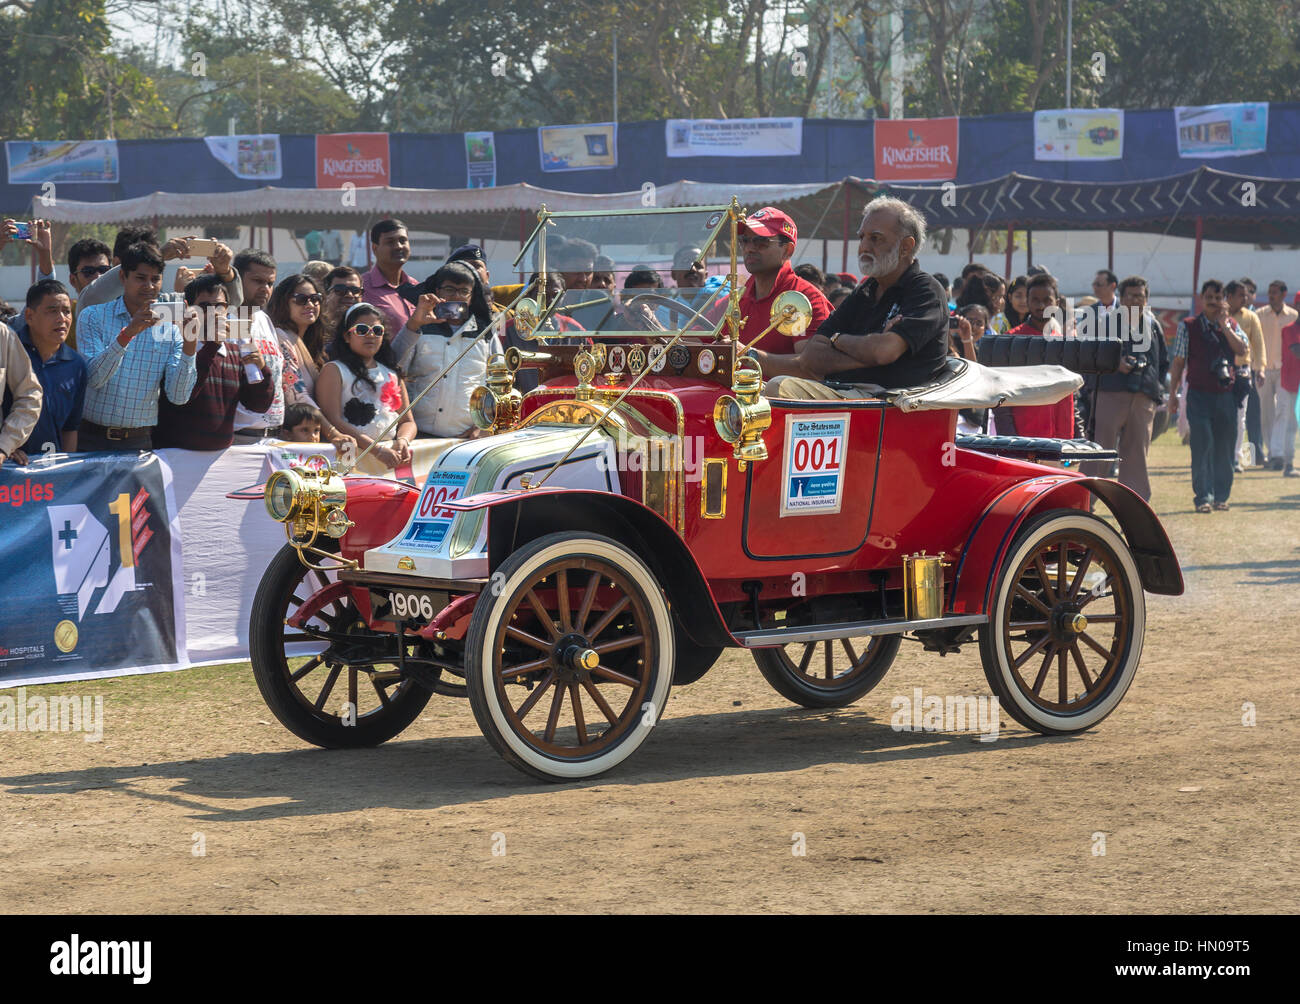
{"points": [[295, 309], [361, 391]]}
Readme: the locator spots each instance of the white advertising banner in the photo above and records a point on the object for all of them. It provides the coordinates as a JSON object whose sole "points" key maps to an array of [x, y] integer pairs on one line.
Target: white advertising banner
{"points": [[777, 137]]}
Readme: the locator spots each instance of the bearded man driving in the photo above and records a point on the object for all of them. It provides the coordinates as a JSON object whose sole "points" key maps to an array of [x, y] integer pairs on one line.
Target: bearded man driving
{"points": [[891, 331]]}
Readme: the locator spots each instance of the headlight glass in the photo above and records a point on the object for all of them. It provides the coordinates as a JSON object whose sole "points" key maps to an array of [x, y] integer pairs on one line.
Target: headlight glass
{"points": [[282, 494], [727, 419], [483, 407]]}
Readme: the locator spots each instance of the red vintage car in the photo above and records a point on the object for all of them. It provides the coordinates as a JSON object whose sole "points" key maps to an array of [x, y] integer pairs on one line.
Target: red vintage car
{"points": [[646, 507]]}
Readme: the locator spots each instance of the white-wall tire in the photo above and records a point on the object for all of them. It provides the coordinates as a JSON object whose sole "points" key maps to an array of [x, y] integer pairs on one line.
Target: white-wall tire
{"points": [[502, 642], [1101, 657]]}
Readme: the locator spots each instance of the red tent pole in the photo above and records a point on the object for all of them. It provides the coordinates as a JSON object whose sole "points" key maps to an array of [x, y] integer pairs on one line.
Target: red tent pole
{"points": [[1011, 233], [270, 235], [1196, 265], [1110, 250], [970, 247], [844, 261]]}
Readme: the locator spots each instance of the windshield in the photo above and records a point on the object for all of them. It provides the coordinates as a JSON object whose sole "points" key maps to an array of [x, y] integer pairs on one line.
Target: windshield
{"points": [[657, 270]]}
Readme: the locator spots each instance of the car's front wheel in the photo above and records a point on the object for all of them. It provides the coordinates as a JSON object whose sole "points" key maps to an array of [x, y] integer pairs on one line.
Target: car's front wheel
{"points": [[569, 656]]}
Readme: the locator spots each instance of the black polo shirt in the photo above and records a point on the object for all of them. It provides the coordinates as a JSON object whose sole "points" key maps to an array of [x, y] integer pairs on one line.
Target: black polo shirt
{"points": [[918, 297]]}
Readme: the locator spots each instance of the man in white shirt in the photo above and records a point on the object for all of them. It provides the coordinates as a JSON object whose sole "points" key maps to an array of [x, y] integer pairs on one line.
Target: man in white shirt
{"points": [[1273, 317]]}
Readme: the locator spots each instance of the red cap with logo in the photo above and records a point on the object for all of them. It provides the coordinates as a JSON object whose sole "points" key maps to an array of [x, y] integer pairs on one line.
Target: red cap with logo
{"points": [[770, 222]]}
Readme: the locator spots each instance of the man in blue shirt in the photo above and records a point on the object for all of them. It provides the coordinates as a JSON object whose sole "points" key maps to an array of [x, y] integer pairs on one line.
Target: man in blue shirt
{"points": [[131, 350], [61, 371]]}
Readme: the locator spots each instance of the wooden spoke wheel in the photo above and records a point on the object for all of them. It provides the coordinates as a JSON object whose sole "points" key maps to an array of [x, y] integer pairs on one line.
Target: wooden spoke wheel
{"points": [[1065, 629], [569, 664], [828, 674], [341, 687]]}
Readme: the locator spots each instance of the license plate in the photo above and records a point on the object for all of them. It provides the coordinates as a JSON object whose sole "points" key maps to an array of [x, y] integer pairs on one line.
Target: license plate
{"points": [[406, 606]]}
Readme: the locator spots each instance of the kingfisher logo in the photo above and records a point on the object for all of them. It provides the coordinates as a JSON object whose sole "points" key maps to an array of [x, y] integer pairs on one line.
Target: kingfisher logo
{"points": [[22, 492], [358, 158], [916, 149]]}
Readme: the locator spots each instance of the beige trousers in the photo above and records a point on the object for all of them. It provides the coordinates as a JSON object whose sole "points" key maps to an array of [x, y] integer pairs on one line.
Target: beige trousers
{"points": [[799, 389], [1124, 421]]}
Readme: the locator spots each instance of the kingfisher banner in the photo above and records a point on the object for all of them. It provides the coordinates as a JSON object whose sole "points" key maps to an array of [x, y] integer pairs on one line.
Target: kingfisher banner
{"points": [[1079, 134], [359, 158], [1222, 130], [256, 158], [916, 149], [82, 161], [88, 576]]}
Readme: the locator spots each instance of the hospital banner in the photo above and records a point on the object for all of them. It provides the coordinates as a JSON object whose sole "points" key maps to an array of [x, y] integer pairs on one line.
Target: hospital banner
{"points": [[1222, 130], [578, 147], [82, 161], [89, 570], [1079, 134], [915, 149], [255, 158], [768, 137]]}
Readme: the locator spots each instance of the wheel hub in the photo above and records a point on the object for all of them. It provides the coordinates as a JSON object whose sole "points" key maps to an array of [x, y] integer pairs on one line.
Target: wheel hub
{"points": [[1068, 622], [574, 658]]}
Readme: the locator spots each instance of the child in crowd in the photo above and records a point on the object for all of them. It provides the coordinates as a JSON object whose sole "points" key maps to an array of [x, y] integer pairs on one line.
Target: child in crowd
{"points": [[301, 424]]}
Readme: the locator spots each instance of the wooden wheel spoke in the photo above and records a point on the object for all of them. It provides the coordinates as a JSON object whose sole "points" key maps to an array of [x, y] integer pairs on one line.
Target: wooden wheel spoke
{"points": [[383, 694], [562, 597], [1083, 670], [529, 639], [1042, 670], [848, 650], [352, 690], [808, 651], [627, 641], [601, 703], [1062, 561], [536, 695], [525, 667], [1027, 653], [297, 600], [830, 662], [557, 702], [1063, 686], [329, 686], [1093, 644], [322, 578], [1028, 626], [1041, 567], [1079, 574], [579, 722], [1090, 595], [1105, 619], [1033, 600], [617, 677], [588, 597], [306, 668], [543, 614], [610, 614]]}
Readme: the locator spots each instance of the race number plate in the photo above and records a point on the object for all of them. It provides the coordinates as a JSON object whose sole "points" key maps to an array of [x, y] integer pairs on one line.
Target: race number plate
{"points": [[407, 606], [813, 467]]}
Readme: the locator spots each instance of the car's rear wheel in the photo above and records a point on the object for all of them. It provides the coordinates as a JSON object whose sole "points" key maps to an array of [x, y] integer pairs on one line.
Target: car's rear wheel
{"points": [[346, 691], [569, 659], [828, 674], [1065, 629]]}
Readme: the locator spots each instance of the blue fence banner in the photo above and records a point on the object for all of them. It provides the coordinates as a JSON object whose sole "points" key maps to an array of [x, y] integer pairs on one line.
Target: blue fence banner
{"points": [[89, 567]]}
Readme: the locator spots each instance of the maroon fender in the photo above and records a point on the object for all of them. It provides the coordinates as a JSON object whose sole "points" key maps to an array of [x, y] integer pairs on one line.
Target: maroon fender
{"points": [[986, 548]]}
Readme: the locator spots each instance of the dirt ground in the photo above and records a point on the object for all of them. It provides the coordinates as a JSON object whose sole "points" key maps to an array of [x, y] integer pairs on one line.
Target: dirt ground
{"points": [[1197, 812]]}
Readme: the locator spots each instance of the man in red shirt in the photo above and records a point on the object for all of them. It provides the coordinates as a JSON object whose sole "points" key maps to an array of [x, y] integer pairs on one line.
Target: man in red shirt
{"points": [[767, 239], [1288, 391], [1051, 421]]}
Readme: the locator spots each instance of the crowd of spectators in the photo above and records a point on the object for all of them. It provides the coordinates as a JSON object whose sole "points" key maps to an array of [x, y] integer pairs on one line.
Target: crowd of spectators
{"points": [[334, 353]]}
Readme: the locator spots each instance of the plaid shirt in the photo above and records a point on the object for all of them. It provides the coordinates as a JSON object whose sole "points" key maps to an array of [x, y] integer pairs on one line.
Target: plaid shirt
{"points": [[123, 389], [207, 421]]}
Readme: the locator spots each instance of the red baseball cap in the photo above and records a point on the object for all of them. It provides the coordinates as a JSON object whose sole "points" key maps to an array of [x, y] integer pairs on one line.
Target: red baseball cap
{"points": [[770, 222]]}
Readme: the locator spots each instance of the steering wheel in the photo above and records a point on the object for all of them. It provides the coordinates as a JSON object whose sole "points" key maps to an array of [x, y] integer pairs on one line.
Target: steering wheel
{"points": [[674, 305]]}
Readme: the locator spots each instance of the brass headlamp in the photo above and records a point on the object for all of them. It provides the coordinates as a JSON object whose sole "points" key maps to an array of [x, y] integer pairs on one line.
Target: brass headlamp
{"points": [[497, 405], [309, 501], [743, 416]]}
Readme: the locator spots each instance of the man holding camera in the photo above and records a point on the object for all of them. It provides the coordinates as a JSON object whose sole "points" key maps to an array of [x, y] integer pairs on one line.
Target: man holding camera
{"points": [[1206, 346], [1125, 402]]}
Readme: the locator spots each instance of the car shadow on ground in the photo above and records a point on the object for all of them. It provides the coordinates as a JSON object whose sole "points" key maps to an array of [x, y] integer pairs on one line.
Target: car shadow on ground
{"points": [[424, 774]]}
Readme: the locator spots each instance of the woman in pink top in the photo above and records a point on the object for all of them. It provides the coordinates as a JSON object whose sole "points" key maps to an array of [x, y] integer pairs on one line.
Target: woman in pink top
{"points": [[295, 310]]}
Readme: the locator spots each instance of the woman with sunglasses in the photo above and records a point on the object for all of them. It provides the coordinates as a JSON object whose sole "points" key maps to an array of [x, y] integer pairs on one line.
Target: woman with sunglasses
{"points": [[361, 390], [295, 310]]}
